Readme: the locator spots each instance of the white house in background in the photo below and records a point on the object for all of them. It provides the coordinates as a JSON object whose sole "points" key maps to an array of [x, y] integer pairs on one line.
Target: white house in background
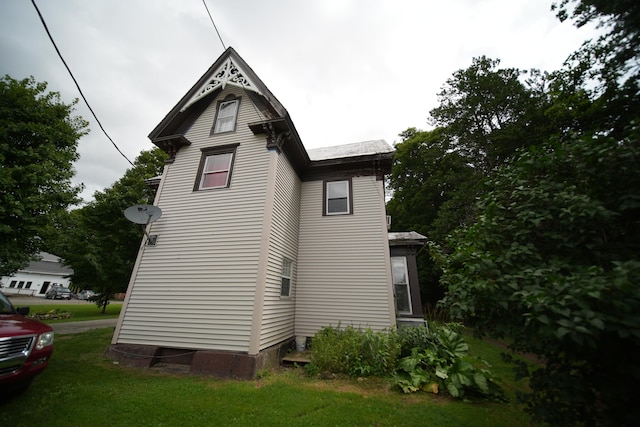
{"points": [[36, 278], [260, 240]]}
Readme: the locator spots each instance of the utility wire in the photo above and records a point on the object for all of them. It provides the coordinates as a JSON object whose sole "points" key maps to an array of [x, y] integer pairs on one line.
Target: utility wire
{"points": [[225, 48], [214, 24], [76, 82]]}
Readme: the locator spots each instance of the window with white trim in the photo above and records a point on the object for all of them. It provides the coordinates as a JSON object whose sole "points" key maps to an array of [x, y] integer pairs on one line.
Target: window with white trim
{"points": [[285, 287], [215, 167], [401, 291], [337, 197], [226, 116]]}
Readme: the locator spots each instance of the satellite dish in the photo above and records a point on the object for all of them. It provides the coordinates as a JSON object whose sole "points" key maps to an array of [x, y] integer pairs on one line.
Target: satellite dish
{"points": [[142, 214]]}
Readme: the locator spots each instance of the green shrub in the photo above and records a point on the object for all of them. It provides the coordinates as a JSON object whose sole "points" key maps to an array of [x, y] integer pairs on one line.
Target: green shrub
{"points": [[439, 359], [414, 337], [355, 352]]}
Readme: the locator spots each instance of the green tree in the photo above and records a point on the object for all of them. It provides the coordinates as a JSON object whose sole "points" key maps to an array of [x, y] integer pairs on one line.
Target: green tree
{"points": [[620, 44], [98, 242], [487, 111], [610, 64], [553, 264], [38, 141], [426, 175]]}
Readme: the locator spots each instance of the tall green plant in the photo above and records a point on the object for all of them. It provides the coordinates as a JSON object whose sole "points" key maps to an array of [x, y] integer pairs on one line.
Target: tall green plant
{"points": [[355, 352]]}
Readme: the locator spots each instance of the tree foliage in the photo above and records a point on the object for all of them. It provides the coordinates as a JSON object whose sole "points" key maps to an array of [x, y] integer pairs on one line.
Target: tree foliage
{"points": [[38, 141], [432, 185], [98, 242], [487, 111], [550, 256], [553, 264], [620, 44]]}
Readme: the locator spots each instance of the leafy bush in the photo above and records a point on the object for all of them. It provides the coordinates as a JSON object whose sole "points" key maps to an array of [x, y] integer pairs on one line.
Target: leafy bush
{"points": [[438, 359], [355, 352], [553, 263], [417, 358], [414, 337]]}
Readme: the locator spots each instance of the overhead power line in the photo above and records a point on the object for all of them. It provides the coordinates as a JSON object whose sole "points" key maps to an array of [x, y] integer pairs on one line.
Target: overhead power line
{"points": [[214, 24], [76, 82]]}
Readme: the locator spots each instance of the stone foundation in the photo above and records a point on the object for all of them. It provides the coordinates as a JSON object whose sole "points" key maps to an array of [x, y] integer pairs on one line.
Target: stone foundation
{"points": [[218, 363]]}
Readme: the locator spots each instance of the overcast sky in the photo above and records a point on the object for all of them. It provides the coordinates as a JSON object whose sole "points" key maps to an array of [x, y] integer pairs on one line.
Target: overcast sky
{"points": [[346, 70]]}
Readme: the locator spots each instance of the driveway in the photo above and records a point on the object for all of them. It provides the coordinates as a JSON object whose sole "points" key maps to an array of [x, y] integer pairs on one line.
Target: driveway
{"points": [[83, 326]]}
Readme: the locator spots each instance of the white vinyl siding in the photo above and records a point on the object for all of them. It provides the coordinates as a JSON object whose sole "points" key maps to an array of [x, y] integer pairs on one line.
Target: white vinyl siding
{"points": [[278, 313], [196, 288], [343, 272]]}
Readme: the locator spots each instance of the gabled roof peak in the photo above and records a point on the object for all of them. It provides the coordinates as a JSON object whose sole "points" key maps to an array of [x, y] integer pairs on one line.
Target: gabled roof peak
{"points": [[228, 72]]}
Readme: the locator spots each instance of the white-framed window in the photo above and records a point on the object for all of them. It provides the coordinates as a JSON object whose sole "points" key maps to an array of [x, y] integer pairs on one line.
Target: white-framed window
{"points": [[216, 165], [226, 116], [216, 171], [401, 291], [337, 197], [285, 287]]}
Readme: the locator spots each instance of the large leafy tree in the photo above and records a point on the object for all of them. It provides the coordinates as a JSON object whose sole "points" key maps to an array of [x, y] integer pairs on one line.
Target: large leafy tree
{"points": [[485, 114], [552, 263], [98, 242], [426, 175], [38, 141], [553, 260], [488, 111]]}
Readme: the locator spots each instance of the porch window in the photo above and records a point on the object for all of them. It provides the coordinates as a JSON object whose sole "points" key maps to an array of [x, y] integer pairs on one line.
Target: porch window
{"points": [[285, 288], [226, 116], [401, 285], [337, 199], [215, 168]]}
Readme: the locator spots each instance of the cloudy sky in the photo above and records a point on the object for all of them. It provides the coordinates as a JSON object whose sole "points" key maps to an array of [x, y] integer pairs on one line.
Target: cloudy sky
{"points": [[346, 70]]}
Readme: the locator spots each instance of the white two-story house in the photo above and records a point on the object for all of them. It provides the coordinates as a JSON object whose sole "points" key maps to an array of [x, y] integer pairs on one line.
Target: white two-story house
{"points": [[260, 240]]}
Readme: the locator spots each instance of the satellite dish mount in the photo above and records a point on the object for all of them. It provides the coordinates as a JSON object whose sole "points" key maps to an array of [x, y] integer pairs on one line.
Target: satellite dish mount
{"points": [[143, 215]]}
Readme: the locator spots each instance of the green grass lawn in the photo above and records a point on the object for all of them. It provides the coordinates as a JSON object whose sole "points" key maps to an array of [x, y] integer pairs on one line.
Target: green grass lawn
{"points": [[77, 311], [81, 387]]}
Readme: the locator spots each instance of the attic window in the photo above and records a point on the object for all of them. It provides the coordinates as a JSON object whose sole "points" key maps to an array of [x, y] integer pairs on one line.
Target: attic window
{"points": [[215, 167], [226, 115], [337, 197]]}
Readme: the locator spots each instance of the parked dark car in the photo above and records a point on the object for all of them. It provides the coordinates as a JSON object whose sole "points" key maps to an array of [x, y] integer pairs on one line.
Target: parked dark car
{"points": [[58, 292], [26, 346]]}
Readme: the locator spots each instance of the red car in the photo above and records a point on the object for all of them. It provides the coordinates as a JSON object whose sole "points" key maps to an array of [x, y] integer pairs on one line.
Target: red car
{"points": [[26, 346]]}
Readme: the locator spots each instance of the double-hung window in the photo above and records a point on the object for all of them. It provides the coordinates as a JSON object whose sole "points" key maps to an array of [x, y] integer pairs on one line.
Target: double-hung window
{"points": [[337, 197], [401, 284], [215, 168], [226, 116], [285, 288]]}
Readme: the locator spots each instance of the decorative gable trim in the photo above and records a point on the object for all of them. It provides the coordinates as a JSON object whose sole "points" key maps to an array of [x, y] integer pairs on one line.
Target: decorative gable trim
{"points": [[227, 73]]}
